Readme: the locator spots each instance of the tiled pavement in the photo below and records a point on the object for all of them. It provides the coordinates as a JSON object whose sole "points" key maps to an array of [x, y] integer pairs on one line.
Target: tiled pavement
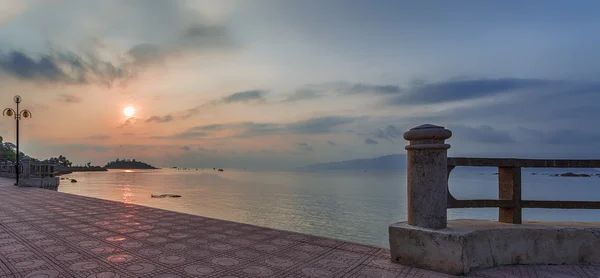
{"points": [[50, 234]]}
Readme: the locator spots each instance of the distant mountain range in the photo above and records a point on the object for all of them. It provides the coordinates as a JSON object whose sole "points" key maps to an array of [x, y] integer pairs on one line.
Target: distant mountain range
{"points": [[392, 162]]}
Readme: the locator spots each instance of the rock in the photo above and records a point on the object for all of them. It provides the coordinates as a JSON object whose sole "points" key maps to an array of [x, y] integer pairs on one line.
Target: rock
{"points": [[220, 170], [570, 174], [73, 180]]}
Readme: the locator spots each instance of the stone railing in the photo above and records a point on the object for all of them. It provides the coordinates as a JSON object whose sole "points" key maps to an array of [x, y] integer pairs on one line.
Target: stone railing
{"points": [[33, 174], [428, 240], [510, 203]]}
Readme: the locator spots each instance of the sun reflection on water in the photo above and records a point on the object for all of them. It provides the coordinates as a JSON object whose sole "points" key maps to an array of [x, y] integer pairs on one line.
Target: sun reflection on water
{"points": [[126, 194]]}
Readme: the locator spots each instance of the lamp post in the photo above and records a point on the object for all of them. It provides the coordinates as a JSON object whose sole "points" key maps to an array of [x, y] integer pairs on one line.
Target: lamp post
{"points": [[17, 114]]}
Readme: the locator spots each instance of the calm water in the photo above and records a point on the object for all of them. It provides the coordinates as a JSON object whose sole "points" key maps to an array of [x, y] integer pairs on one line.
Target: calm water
{"points": [[354, 206]]}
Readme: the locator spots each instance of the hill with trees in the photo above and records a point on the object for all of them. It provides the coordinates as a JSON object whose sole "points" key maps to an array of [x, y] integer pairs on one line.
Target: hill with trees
{"points": [[128, 164], [8, 151]]}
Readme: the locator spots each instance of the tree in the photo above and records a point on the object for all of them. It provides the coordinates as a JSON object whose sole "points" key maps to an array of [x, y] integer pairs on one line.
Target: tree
{"points": [[8, 146]]}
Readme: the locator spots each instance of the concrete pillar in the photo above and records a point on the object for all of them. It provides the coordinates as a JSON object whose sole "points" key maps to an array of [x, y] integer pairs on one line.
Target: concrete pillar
{"points": [[26, 162], [427, 181]]}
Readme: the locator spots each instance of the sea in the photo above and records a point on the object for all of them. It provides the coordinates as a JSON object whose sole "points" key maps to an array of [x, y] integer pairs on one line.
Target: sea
{"points": [[351, 205]]}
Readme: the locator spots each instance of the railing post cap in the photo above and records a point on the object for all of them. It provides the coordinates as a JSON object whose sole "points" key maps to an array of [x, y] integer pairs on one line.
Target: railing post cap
{"points": [[427, 131]]}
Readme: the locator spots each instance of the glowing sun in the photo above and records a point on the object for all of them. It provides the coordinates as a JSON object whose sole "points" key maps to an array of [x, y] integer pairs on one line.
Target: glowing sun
{"points": [[129, 111]]}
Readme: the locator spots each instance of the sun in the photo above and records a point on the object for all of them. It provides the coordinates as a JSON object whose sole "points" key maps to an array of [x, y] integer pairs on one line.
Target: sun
{"points": [[129, 111]]}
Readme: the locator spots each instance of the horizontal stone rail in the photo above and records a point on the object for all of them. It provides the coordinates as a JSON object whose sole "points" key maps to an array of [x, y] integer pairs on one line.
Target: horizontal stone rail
{"points": [[510, 203]]}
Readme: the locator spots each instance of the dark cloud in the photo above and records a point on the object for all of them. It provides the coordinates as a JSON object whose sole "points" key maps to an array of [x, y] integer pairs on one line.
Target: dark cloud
{"points": [[190, 134], [64, 68], [320, 125], [481, 134], [305, 147], [169, 29], [128, 123], [370, 141], [160, 119], [331, 143], [186, 148], [211, 127], [373, 89], [99, 137], [252, 96], [389, 133], [568, 105], [246, 96], [144, 54], [457, 90], [69, 98], [303, 94]]}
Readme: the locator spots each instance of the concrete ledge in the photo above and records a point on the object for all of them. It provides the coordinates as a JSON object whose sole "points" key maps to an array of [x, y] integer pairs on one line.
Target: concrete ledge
{"points": [[468, 245], [47, 183]]}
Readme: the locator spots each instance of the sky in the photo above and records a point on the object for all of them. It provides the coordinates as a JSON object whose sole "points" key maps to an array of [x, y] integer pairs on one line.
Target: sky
{"points": [[276, 84]]}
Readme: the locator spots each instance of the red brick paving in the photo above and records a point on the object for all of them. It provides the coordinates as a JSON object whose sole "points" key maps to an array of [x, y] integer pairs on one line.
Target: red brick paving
{"points": [[45, 233]]}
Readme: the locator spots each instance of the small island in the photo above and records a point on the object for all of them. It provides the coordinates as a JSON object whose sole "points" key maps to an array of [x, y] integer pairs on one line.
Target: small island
{"points": [[126, 164], [571, 174]]}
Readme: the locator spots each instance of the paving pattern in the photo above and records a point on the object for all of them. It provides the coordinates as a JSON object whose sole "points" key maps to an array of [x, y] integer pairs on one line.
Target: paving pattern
{"points": [[46, 234]]}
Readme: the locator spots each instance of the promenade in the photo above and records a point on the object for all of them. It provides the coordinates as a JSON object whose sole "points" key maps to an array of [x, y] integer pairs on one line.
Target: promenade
{"points": [[44, 233]]}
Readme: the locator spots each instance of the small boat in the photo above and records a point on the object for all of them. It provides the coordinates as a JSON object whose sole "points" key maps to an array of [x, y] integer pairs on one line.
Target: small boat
{"points": [[165, 195]]}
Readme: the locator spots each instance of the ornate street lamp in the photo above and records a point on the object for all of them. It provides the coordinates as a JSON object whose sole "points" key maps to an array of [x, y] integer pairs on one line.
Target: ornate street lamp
{"points": [[17, 114]]}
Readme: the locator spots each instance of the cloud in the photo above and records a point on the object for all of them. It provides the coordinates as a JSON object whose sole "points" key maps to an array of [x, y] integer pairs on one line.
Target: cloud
{"points": [[195, 38], [303, 94], [481, 134], [69, 98], [201, 36], [186, 148], [145, 54], [560, 136], [331, 143], [160, 119], [370, 141], [62, 67], [128, 123], [188, 134], [305, 147], [252, 96], [99, 137], [246, 96], [155, 31], [372, 89], [457, 90], [568, 105], [321, 125], [389, 133]]}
